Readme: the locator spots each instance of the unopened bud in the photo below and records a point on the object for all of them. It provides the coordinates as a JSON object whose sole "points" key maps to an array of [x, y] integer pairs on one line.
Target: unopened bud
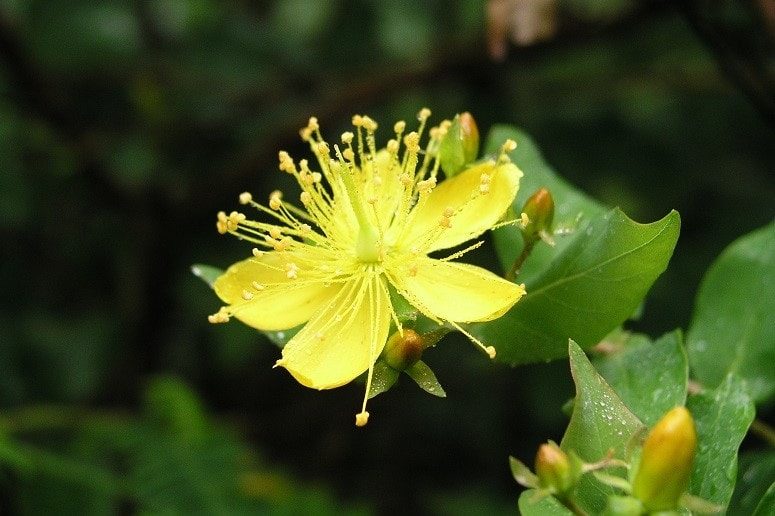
{"points": [[666, 461], [553, 468], [623, 506], [402, 351], [539, 214], [460, 145]]}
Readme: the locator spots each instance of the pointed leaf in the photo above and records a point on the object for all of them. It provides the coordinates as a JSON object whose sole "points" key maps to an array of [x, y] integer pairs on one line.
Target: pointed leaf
{"points": [[593, 286], [425, 378], [600, 423], [732, 330], [766, 505], [522, 473], [384, 378], [722, 418], [648, 393], [532, 503]]}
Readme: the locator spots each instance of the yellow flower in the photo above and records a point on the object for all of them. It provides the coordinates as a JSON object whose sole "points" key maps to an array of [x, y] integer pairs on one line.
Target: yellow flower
{"points": [[368, 219]]}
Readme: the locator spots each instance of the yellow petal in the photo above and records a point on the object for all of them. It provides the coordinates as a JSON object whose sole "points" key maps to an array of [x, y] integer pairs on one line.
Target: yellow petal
{"points": [[457, 292], [276, 302], [343, 339], [474, 211]]}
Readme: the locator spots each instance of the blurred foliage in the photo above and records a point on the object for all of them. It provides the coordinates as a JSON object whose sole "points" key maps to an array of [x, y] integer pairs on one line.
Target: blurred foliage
{"points": [[124, 127]]}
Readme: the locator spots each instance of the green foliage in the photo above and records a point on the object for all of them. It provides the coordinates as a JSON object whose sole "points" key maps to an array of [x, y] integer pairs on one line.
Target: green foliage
{"points": [[600, 424], [732, 330], [647, 393], [532, 504], [722, 417], [754, 473]]}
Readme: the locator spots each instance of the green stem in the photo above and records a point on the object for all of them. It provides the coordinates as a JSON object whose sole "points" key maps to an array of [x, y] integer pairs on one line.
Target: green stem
{"points": [[517, 265]]}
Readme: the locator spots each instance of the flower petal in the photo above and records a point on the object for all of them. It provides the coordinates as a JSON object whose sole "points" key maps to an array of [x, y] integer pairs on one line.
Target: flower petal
{"points": [[279, 302], [474, 212], [457, 292], [343, 339]]}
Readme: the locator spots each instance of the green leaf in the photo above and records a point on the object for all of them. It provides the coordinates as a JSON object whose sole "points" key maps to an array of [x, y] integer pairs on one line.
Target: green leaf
{"points": [[424, 377], [206, 273], [384, 378], [766, 506], [522, 473], [594, 285], [531, 503], [755, 472], [573, 209], [732, 330], [722, 418], [600, 424], [648, 393]]}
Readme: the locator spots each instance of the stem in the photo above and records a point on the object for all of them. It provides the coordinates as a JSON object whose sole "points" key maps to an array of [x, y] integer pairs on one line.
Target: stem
{"points": [[763, 431], [517, 265]]}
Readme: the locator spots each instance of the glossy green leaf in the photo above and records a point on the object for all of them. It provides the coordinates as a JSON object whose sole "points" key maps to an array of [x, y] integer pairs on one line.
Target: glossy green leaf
{"points": [[573, 209], [424, 377], [732, 330], [384, 378], [531, 503], [649, 392], [589, 289], [722, 417], [600, 424]]}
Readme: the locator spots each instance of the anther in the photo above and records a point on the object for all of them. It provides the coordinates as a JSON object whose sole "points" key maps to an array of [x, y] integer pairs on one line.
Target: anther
{"points": [[427, 185], [313, 123], [257, 252], [412, 142], [392, 146], [490, 351], [424, 114], [245, 198], [348, 154], [258, 286], [275, 199], [361, 418], [449, 211], [357, 120], [347, 137], [305, 198], [369, 124], [275, 232], [221, 316], [247, 295], [399, 127]]}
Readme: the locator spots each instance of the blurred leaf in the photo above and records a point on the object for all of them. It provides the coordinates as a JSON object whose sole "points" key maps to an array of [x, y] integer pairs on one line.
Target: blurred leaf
{"points": [[732, 330], [206, 273], [594, 285], [532, 505], [722, 418], [175, 408], [756, 470], [766, 505], [573, 209], [600, 424], [649, 377]]}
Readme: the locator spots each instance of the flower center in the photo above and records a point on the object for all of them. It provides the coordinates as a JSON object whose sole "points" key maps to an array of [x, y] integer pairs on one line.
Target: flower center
{"points": [[367, 249]]}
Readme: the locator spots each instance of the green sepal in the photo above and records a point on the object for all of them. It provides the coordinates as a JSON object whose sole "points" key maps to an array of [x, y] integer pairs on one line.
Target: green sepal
{"points": [[424, 377]]}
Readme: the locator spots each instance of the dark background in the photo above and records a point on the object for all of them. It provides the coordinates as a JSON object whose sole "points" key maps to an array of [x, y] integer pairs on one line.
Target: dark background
{"points": [[125, 126]]}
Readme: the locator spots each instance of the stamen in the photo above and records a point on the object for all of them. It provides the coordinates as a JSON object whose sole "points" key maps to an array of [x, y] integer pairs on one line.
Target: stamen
{"points": [[487, 349], [245, 198]]}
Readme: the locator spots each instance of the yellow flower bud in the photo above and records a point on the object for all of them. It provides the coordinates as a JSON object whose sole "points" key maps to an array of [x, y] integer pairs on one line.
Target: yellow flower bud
{"points": [[666, 461], [553, 469], [402, 351]]}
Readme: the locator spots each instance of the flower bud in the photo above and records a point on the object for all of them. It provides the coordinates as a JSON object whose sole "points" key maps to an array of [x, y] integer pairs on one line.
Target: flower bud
{"points": [[539, 209], [623, 506], [553, 469], [403, 351], [666, 461], [460, 145]]}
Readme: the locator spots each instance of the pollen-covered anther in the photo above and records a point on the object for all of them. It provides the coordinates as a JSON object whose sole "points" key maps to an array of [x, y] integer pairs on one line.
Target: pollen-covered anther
{"points": [[347, 137], [424, 114], [275, 232], [323, 148], [275, 200], [509, 145], [524, 220], [484, 183], [412, 142], [361, 418], [291, 270], [245, 198], [490, 351], [258, 253], [282, 244], [368, 124], [234, 219], [221, 316], [399, 127], [258, 286], [222, 223], [313, 123], [405, 179], [357, 120], [392, 146], [305, 228], [427, 185], [247, 295], [348, 154], [286, 162], [305, 198]]}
